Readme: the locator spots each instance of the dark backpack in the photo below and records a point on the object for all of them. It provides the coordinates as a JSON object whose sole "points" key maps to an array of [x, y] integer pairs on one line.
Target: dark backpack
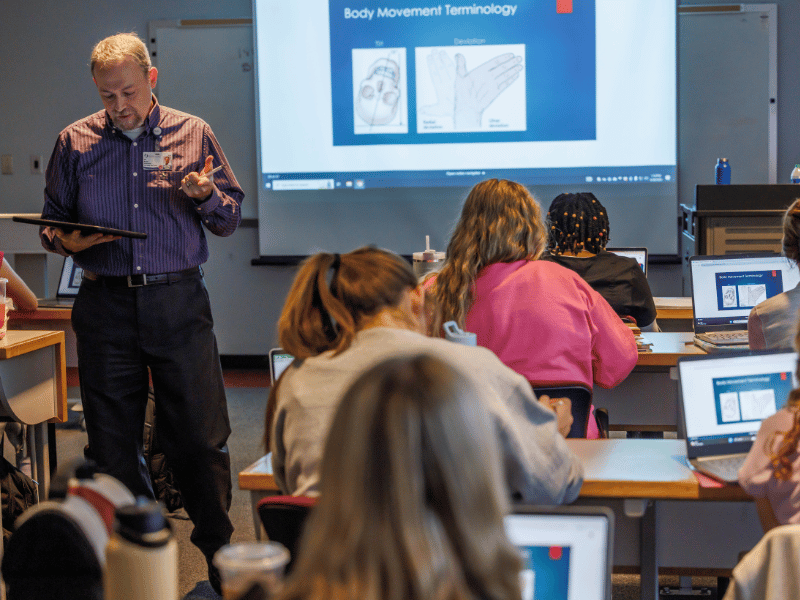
{"points": [[165, 487]]}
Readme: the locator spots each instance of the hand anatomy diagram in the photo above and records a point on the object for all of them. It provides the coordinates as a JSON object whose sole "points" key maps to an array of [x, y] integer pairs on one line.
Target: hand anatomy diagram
{"points": [[464, 94]]}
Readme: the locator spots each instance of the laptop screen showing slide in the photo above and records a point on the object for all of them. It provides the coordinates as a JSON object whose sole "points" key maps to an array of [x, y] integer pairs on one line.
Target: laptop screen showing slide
{"points": [[726, 288], [723, 399], [567, 551], [68, 285], [640, 254]]}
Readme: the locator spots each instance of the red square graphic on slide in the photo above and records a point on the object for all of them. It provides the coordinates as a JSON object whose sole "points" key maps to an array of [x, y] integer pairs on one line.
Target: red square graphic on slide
{"points": [[563, 6]]}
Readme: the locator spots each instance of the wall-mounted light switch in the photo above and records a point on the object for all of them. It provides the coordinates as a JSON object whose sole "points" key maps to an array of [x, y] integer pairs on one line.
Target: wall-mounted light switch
{"points": [[36, 163]]}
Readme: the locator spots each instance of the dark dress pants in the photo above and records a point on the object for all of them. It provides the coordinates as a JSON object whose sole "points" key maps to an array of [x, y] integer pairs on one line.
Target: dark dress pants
{"points": [[166, 328]]}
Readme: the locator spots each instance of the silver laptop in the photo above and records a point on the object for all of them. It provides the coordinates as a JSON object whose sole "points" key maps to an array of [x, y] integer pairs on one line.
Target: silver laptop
{"points": [[722, 400], [278, 361], [639, 254], [567, 551], [726, 288], [68, 285]]}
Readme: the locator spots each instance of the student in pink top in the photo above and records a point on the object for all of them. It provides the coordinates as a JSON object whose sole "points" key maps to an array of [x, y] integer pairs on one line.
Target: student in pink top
{"points": [[541, 319], [771, 471]]}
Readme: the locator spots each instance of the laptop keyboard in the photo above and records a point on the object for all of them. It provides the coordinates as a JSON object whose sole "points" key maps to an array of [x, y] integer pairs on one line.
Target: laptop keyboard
{"points": [[726, 468], [724, 337]]}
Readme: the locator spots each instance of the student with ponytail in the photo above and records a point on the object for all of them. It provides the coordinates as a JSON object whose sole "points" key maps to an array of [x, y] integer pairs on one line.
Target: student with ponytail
{"points": [[772, 323], [771, 471], [346, 313]]}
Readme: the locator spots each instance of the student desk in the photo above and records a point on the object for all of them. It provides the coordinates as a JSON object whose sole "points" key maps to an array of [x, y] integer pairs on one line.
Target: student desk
{"points": [[52, 319], [647, 399], [34, 390], [662, 514], [674, 314]]}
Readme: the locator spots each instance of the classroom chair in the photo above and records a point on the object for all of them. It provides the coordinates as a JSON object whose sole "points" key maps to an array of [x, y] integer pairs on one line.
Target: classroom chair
{"points": [[283, 518], [581, 398]]}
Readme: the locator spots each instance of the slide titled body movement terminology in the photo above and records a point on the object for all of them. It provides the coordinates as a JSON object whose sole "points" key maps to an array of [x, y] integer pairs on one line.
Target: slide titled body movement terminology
{"points": [[504, 10]]}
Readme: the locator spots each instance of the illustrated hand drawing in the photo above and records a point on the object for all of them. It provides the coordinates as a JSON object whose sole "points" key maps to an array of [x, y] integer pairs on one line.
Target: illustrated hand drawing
{"points": [[376, 102], [476, 90], [443, 75], [464, 95]]}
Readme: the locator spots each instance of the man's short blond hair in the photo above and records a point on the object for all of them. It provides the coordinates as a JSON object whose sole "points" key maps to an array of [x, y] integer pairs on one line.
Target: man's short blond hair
{"points": [[116, 48]]}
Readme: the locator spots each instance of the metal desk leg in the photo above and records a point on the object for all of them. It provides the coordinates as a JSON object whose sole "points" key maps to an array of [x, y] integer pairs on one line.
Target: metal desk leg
{"points": [[648, 553], [42, 463]]}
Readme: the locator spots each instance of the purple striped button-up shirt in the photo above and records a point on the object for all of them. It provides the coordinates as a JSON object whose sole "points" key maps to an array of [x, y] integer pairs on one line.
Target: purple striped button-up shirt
{"points": [[96, 175]]}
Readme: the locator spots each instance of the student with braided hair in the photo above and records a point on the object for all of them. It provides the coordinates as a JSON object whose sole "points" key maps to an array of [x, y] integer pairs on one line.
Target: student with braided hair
{"points": [[772, 323], [579, 228], [771, 471]]}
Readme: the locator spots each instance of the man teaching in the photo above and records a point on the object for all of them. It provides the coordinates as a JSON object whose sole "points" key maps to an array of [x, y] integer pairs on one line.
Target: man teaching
{"points": [[143, 310]]}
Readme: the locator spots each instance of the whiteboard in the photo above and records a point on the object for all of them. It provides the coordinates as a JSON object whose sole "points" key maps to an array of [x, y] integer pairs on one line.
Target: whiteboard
{"points": [[727, 94], [205, 68]]}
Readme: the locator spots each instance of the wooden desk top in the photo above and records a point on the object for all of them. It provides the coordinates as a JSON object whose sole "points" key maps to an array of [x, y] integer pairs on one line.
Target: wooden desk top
{"points": [[19, 342], [258, 476], [667, 348], [41, 314], [643, 468], [615, 468], [673, 308]]}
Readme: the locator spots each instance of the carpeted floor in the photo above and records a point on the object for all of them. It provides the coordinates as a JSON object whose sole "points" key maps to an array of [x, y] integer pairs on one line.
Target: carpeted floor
{"points": [[246, 403]]}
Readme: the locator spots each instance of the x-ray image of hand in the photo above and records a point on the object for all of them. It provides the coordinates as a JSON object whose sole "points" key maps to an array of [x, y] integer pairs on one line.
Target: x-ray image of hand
{"points": [[476, 90], [442, 70]]}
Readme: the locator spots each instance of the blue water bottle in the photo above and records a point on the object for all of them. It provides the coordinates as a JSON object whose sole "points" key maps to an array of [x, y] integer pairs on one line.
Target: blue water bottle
{"points": [[796, 174], [723, 171]]}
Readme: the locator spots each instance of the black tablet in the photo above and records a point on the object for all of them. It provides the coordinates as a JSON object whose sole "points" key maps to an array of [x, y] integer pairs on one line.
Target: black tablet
{"points": [[83, 228]]}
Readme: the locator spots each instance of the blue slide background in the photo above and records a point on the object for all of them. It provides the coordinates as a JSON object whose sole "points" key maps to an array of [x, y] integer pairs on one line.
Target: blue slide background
{"points": [[780, 382], [559, 62], [773, 280], [552, 576]]}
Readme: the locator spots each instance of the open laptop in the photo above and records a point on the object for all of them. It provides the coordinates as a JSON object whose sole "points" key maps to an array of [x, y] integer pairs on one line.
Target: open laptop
{"points": [[278, 361], [640, 254], [567, 551], [722, 400], [68, 285], [725, 289]]}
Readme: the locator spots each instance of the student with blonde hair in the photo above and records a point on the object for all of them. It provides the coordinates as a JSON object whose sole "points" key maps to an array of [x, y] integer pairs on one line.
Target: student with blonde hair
{"points": [[411, 494], [344, 314], [772, 323], [539, 318]]}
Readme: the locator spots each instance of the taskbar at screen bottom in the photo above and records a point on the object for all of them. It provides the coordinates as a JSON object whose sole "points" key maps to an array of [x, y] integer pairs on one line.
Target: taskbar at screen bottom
{"points": [[468, 177]]}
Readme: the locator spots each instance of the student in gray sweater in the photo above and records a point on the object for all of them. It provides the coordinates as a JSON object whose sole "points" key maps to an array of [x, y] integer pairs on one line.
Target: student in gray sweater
{"points": [[346, 313]]}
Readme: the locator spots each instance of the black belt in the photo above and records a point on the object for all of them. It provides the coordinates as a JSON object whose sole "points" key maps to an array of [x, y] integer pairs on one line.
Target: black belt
{"points": [[140, 280]]}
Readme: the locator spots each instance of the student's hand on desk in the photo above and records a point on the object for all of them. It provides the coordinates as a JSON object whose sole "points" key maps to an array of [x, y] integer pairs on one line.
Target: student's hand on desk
{"points": [[197, 185], [563, 409], [75, 241]]}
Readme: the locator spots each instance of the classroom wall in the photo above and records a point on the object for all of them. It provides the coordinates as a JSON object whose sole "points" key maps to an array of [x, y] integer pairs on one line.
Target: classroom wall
{"points": [[45, 84]]}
